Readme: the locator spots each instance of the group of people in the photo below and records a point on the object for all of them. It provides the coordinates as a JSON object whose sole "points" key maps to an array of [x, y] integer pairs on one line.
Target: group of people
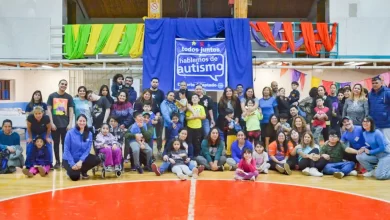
{"points": [[249, 134]]}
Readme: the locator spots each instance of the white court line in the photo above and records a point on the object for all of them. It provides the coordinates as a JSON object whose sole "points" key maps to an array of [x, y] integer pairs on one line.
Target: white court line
{"points": [[161, 180], [191, 203]]}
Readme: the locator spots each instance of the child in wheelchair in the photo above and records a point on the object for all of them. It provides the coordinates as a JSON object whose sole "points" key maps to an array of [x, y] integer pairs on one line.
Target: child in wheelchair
{"points": [[107, 144]]}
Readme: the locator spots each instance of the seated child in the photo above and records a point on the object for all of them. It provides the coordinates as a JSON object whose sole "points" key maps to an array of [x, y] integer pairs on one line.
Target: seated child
{"points": [[246, 169], [261, 158], [107, 144], [179, 160], [39, 159]]}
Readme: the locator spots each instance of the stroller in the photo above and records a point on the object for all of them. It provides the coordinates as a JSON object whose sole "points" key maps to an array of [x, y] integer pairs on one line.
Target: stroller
{"points": [[102, 157]]}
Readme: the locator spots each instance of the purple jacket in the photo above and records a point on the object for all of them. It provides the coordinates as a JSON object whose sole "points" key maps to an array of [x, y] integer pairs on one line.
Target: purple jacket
{"points": [[108, 139]]}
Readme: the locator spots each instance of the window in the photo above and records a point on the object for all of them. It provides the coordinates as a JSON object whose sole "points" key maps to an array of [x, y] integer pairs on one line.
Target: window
{"points": [[5, 90]]}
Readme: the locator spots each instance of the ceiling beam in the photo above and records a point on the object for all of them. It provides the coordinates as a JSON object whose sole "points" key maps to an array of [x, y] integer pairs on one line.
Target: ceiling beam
{"points": [[82, 8]]}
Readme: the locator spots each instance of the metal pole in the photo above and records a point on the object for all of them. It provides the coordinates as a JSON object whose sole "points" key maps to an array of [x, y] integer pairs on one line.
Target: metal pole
{"points": [[199, 6]]}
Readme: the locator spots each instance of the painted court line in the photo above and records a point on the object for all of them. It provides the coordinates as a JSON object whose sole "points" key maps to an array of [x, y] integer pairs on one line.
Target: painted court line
{"points": [[191, 203]]}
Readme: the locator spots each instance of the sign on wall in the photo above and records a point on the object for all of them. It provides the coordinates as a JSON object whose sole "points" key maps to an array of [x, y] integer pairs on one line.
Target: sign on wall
{"points": [[201, 62]]}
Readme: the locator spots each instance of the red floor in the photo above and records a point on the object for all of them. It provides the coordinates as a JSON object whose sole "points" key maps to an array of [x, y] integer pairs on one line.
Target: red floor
{"points": [[214, 200]]}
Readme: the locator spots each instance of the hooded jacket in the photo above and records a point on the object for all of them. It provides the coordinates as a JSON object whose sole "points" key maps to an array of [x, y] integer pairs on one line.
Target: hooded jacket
{"points": [[75, 148]]}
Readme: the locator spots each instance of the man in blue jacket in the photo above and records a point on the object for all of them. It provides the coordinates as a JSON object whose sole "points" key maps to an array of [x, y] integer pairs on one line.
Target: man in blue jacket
{"points": [[131, 93], [379, 104]]}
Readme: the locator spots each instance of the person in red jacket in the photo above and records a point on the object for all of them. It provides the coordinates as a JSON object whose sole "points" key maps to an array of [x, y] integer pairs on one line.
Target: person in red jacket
{"points": [[246, 169]]}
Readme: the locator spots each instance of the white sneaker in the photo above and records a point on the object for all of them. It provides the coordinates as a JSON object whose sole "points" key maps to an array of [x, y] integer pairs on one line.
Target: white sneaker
{"points": [[306, 171], [369, 174], [265, 171], [338, 175], [253, 179], [314, 172], [353, 173]]}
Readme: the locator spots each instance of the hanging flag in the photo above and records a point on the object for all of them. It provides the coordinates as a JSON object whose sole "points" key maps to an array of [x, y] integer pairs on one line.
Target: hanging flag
{"points": [[302, 80], [368, 83], [315, 81], [344, 84], [327, 85], [295, 74], [284, 70], [385, 78]]}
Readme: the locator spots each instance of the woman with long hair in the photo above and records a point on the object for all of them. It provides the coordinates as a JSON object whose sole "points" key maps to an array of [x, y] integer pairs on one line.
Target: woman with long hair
{"points": [[308, 156], [122, 109], [279, 152], [36, 100], [356, 107], [82, 105], [145, 98], [211, 155], [105, 91]]}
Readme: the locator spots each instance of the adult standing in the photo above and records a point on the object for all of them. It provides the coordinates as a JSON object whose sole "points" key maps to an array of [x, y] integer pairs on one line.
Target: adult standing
{"points": [[183, 87], [36, 100], [168, 107], [78, 142], [60, 110], [238, 149], [122, 109], [274, 86], [82, 105], [283, 103], [268, 106], [38, 124], [379, 102], [145, 98], [10, 141], [101, 109], [249, 94], [207, 104], [377, 152], [117, 84], [131, 93], [356, 107], [158, 97], [211, 155], [240, 89], [306, 104], [227, 101], [105, 91]]}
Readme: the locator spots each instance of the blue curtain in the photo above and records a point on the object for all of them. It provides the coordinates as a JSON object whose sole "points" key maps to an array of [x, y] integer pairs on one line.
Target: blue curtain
{"points": [[160, 34]]}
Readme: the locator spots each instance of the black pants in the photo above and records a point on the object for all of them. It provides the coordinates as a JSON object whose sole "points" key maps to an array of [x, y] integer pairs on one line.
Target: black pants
{"points": [[194, 138], [290, 162], [159, 130], [306, 162], [325, 133], [350, 157], [58, 135], [90, 162]]}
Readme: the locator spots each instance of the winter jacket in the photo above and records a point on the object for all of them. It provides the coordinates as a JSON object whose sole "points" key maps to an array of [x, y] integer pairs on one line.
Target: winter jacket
{"points": [[108, 139], [379, 105], [40, 157]]}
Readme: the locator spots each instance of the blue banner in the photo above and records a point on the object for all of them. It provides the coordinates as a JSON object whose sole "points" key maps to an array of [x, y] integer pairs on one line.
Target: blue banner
{"points": [[201, 62]]}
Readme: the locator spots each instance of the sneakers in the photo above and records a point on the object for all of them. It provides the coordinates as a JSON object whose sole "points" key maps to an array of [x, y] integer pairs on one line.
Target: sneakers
{"points": [[237, 178], [57, 166], [155, 169], [306, 171], [200, 169], [84, 176], [232, 168], [369, 174], [27, 173], [314, 172], [109, 169], [139, 170], [42, 171], [338, 175], [353, 173], [195, 173], [287, 168], [117, 168], [280, 168], [182, 177], [265, 171], [221, 168], [253, 178]]}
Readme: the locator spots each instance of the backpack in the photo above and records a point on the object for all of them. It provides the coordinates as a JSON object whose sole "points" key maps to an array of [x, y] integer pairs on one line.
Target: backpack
{"points": [[4, 155]]}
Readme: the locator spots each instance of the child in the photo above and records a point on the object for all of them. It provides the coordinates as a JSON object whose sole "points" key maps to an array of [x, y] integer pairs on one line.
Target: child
{"points": [[39, 159], [252, 119], [261, 158], [294, 94], [319, 120], [246, 169], [231, 128], [107, 144], [148, 109], [178, 158], [173, 131], [182, 104], [283, 125]]}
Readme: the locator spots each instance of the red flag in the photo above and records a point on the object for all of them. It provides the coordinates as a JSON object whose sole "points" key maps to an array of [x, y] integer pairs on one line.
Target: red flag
{"points": [[327, 85], [302, 80], [283, 71], [368, 83]]}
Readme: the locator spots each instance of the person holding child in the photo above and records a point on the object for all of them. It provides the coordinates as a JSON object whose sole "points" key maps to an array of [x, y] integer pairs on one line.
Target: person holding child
{"points": [[232, 126], [246, 169], [107, 144], [238, 147], [252, 117], [39, 159]]}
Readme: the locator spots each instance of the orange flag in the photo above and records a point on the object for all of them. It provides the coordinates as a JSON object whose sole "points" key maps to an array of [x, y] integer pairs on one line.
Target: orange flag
{"points": [[368, 83], [283, 70]]}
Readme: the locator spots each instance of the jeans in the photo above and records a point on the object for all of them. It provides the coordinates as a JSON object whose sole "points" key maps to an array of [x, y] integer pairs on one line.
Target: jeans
{"points": [[58, 135], [202, 161], [206, 127], [344, 167], [30, 146], [386, 133], [231, 162], [90, 162], [165, 166], [382, 171]]}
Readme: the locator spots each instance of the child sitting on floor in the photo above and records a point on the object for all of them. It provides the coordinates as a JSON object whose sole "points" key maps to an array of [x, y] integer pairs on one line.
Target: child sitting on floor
{"points": [[261, 158], [246, 169], [107, 144], [178, 159], [39, 159]]}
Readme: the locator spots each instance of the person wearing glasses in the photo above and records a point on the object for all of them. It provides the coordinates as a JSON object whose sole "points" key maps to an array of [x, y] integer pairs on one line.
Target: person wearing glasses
{"points": [[60, 111], [379, 106], [377, 151]]}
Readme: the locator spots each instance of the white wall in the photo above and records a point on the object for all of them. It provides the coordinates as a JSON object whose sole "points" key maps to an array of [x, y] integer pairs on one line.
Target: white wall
{"points": [[25, 28], [264, 77], [367, 33], [26, 82]]}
